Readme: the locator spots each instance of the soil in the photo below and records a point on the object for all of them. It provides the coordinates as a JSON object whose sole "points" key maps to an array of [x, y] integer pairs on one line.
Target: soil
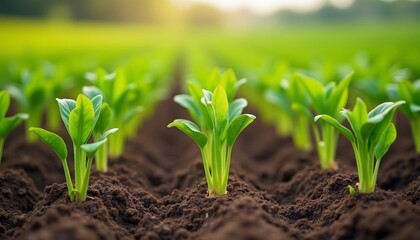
{"points": [[157, 190]]}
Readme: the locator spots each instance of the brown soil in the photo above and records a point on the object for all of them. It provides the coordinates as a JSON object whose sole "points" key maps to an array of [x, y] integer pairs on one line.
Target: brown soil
{"points": [[157, 190]]}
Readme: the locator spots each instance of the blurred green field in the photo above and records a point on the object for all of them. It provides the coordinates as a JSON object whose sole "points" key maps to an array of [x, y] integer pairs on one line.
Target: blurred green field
{"points": [[297, 43]]}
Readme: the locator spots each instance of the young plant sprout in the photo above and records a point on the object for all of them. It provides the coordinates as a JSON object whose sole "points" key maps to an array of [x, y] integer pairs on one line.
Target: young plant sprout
{"points": [[118, 94], [7, 124], [371, 136], [219, 122], [291, 93], [329, 100], [32, 95], [410, 93], [80, 118]]}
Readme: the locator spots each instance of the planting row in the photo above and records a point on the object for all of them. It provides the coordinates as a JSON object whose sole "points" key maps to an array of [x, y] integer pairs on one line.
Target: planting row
{"points": [[112, 106]]}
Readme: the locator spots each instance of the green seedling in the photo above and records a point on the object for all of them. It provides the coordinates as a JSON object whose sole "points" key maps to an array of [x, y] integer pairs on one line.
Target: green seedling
{"points": [[410, 93], [291, 93], [119, 95], [329, 100], [80, 118], [219, 121], [7, 124], [371, 136], [32, 95]]}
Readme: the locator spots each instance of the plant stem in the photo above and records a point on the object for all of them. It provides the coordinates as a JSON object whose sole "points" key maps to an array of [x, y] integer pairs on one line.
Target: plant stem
{"points": [[101, 158], [327, 145], [53, 118], [116, 143], [83, 190], [68, 179], [34, 120], [1, 148], [364, 159], [415, 130], [79, 162], [301, 135]]}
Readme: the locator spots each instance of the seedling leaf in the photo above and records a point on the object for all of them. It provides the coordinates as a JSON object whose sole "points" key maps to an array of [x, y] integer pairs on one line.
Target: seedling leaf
{"points": [[52, 140], [237, 126], [191, 130]]}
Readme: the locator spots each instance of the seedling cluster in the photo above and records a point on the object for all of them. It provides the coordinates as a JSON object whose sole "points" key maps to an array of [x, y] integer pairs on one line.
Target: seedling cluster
{"points": [[308, 105]]}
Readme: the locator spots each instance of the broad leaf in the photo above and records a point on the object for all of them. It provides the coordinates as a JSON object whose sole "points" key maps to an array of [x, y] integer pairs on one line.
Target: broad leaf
{"points": [[236, 107], [315, 90], [188, 102], [132, 113], [52, 140], [7, 124], [378, 120], [105, 119], [220, 103], [358, 116], [237, 126], [299, 108], [81, 120], [66, 106], [91, 91], [91, 148], [333, 122], [4, 103], [387, 138], [191, 130], [97, 104], [107, 133]]}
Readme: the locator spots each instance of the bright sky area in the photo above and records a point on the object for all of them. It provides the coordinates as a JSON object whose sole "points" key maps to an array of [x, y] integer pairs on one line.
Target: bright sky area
{"points": [[263, 7]]}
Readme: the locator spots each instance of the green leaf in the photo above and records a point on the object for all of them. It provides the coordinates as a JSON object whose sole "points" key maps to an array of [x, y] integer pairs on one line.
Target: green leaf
{"points": [[378, 113], [19, 96], [81, 120], [358, 116], [37, 97], [237, 126], [338, 98], [299, 108], [315, 90], [66, 106], [387, 138], [228, 81], [188, 102], [414, 108], [236, 107], [52, 140], [132, 113], [220, 103], [107, 133], [333, 122], [97, 105], [378, 119], [7, 124], [191, 130], [4, 103], [91, 91], [105, 119], [91, 148]]}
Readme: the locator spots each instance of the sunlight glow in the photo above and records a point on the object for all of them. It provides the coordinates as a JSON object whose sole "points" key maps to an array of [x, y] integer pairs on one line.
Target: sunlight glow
{"points": [[264, 7]]}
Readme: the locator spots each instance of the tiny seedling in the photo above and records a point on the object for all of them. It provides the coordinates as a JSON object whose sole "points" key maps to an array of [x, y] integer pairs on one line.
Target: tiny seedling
{"points": [[329, 100], [7, 124], [219, 124], [410, 93], [371, 136], [80, 118]]}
